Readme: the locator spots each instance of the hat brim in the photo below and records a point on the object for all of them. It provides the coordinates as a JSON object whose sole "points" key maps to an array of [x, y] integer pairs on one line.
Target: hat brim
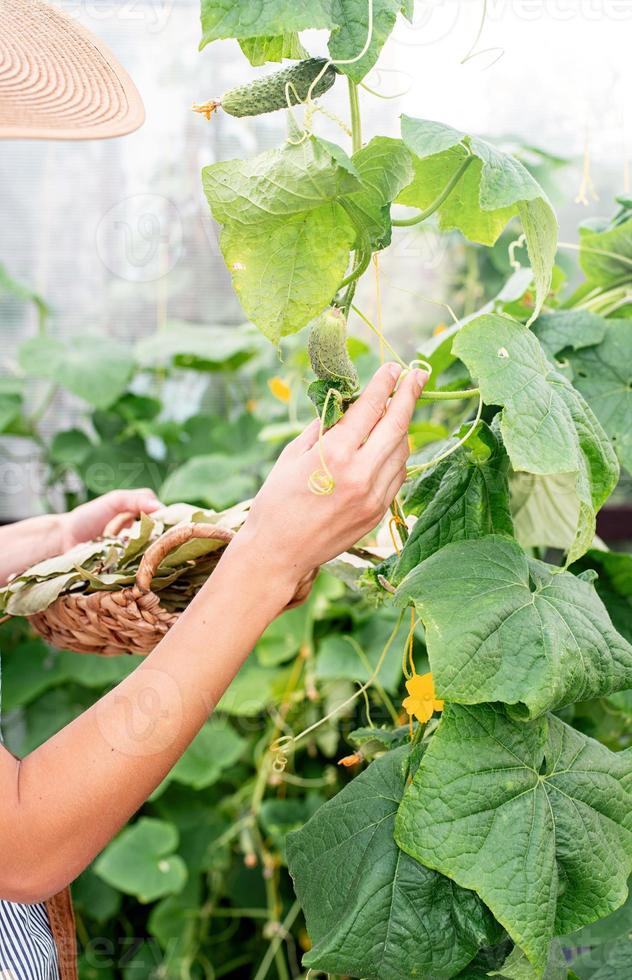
{"points": [[58, 81]]}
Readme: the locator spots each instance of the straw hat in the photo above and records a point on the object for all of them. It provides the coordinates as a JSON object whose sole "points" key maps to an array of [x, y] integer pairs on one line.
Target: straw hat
{"points": [[58, 81]]}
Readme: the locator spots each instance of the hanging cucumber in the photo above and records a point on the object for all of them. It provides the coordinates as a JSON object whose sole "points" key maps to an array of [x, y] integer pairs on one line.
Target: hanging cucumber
{"points": [[288, 86], [337, 377]]}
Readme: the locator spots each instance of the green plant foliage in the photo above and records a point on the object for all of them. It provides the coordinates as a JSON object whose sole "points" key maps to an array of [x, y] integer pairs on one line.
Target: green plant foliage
{"points": [[371, 910], [464, 496], [494, 188], [603, 374], [141, 861], [476, 598], [96, 369], [546, 425], [384, 167], [260, 50], [519, 803]]}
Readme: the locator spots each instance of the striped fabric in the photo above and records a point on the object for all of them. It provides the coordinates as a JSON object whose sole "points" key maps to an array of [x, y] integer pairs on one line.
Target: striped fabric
{"points": [[27, 948]]}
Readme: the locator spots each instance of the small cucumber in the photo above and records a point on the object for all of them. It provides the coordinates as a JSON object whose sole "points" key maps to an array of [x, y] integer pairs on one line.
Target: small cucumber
{"points": [[327, 349], [275, 91]]}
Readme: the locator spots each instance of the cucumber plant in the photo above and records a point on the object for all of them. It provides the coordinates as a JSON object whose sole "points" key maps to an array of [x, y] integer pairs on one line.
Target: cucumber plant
{"points": [[471, 844]]}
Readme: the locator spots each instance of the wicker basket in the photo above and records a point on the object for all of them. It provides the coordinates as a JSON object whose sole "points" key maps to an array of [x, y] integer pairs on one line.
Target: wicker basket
{"points": [[130, 620]]}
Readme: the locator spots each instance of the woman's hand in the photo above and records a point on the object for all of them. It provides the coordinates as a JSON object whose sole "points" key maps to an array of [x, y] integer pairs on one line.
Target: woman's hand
{"points": [[292, 529], [89, 520]]}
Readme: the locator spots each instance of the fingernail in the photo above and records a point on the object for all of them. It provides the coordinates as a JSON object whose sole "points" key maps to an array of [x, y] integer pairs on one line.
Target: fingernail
{"points": [[421, 377], [394, 370]]}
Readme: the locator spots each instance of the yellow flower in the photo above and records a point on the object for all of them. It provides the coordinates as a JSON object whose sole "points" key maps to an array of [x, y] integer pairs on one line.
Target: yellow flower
{"points": [[439, 329], [280, 389], [421, 701]]}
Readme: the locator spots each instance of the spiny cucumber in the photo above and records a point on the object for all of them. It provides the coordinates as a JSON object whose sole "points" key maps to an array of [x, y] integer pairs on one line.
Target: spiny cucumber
{"points": [[327, 349], [290, 85]]}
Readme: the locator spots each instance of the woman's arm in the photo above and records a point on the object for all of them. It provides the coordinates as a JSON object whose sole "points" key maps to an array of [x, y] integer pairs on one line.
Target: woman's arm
{"points": [[33, 540], [68, 798]]}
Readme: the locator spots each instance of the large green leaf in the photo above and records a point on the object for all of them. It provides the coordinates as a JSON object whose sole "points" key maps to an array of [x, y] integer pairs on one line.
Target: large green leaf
{"points": [[285, 239], [494, 188], [281, 182], [197, 344], [371, 910], [349, 38], [464, 496], [614, 585], [287, 270], [96, 369], [503, 627], [260, 50], [243, 19], [569, 328], [141, 862], [603, 374], [385, 167], [545, 510], [546, 425], [605, 253], [536, 818]]}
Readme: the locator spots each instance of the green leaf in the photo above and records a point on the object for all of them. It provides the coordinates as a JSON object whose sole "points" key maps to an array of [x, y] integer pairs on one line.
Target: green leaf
{"points": [[334, 403], [34, 597], [503, 627], [606, 963], [141, 862], [349, 38], [546, 425], [285, 239], [614, 926], [94, 898], [290, 180], [243, 20], [614, 585], [385, 167], [70, 448], [345, 656], [10, 409], [529, 817], [518, 967], [197, 345], [605, 254], [31, 669], [261, 50], [568, 328], [96, 369], [372, 911], [545, 510], [494, 188], [603, 374], [214, 480], [463, 496], [215, 748], [252, 690], [286, 271]]}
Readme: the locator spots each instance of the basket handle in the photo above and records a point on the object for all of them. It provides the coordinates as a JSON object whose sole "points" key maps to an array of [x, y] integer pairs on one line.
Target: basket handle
{"points": [[171, 540]]}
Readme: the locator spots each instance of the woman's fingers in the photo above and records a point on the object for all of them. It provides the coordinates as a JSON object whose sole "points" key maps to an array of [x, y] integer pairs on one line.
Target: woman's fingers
{"points": [[363, 415], [394, 486], [389, 430], [394, 463]]}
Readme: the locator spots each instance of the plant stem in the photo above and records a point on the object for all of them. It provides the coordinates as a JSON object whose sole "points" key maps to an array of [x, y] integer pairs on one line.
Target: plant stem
{"points": [[436, 204], [445, 396], [356, 125], [286, 925]]}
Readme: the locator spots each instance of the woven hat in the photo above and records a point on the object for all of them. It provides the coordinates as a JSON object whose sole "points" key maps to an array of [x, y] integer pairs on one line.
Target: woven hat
{"points": [[57, 80]]}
